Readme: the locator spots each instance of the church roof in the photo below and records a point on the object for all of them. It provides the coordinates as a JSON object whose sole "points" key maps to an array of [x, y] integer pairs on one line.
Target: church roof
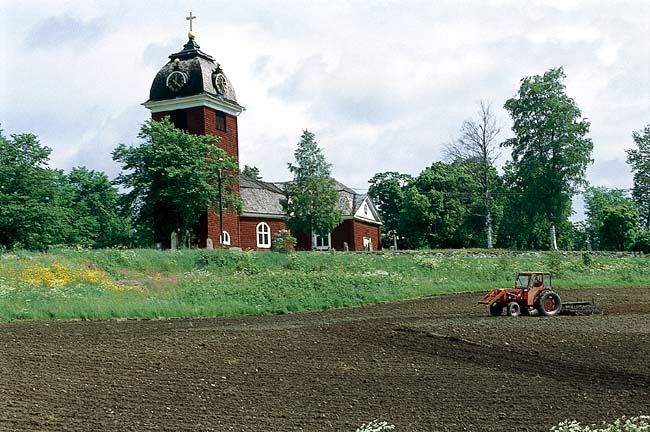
{"points": [[200, 72], [264, 198], [260, 197]]}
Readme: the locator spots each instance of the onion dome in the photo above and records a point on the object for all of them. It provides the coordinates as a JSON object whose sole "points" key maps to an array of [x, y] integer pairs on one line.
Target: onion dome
{"points": [[191, 72]]}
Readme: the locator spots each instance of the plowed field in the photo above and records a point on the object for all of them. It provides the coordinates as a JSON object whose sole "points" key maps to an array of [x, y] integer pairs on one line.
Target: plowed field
{"points": [[433, 364]]}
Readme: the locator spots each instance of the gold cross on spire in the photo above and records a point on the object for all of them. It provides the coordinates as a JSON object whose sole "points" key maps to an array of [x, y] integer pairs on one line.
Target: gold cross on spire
{"points": [[190, 19]]}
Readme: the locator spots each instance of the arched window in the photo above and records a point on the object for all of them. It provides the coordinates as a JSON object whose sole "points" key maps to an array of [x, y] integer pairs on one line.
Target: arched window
{"points": [[263, 235], [225, 238]]}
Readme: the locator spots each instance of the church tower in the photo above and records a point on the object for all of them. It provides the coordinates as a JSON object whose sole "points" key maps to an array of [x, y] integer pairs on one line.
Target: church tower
{"points": [[194, 92]]}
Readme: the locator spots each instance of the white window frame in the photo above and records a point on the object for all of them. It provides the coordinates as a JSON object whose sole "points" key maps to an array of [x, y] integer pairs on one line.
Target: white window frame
{"points": [[315, 241], [225, 238], [264, 230]]}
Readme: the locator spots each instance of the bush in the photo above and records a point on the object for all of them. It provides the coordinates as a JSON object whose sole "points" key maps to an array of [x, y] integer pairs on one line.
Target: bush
{"points": [[233, 261], [642, 242], [247, 263], [283, 242]]}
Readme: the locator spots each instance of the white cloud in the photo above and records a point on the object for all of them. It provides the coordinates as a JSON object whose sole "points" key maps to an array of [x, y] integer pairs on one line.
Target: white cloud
{"points": [[63, 32], [565, 34], [608, 52]]}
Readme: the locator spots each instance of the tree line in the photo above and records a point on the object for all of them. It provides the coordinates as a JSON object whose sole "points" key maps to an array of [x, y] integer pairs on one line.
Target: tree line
{"points": [[170, 178], [41, 206], [465, 202]]}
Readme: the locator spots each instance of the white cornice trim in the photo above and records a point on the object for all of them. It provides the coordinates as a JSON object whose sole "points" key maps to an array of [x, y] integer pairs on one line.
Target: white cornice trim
{"points": [[360, 219], [203, 99], [262, 215]]}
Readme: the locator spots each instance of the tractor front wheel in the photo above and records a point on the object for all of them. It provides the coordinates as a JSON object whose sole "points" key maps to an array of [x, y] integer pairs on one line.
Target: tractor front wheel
{"points": [[496, 309], [514, 309], [549, 303]]}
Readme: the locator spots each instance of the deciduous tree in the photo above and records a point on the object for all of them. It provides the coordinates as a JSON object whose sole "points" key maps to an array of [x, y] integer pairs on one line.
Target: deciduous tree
{"points": [[619, 228], [457, 203], [96, 207], [597, 200], [32, 212], [642, 241], [550, 152], [639, 159], [478, 144], [387, 191], [172, 178], [416, 223]]}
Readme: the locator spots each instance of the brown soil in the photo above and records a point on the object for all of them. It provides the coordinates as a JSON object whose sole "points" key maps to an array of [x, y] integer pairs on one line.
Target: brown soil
{"points": [[436, 364]]}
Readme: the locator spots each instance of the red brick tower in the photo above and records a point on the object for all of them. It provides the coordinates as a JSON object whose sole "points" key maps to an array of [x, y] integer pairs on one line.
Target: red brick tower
{"points": [[198, 97]]}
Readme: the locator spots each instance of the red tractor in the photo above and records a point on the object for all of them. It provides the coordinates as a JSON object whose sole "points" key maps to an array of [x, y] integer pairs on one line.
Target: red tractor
{"points": [[532, 291]]}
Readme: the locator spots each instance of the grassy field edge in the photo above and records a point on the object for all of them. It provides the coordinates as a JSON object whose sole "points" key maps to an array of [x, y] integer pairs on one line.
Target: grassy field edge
{"points": [[126, 283]]}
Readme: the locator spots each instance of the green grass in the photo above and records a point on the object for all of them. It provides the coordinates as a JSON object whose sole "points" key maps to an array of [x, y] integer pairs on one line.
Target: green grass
{"points": [[116, 283]]}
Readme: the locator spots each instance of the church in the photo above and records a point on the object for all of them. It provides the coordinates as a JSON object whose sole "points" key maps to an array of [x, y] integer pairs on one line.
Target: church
{"points": [[193, 90]]}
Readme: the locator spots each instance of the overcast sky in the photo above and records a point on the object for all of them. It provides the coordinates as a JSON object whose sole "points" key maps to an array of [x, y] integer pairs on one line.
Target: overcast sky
{"points": [[383, 84]]}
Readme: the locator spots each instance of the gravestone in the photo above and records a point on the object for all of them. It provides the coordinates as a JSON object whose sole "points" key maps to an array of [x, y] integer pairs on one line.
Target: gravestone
{"points": [[174, 240], [346, 248], [209, 244]]}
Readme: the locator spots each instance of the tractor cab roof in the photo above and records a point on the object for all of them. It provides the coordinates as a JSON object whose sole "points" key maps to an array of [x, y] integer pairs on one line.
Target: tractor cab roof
{"points": [[528, 273]]}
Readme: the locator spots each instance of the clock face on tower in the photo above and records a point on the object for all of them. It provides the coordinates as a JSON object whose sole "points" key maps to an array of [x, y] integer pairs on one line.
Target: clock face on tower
{"points": [[176, 80], [220, 83]]}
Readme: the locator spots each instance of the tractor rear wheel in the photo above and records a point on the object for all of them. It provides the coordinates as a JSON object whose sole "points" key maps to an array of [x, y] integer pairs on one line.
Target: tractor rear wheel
{"points": [[496, 309], [514, 309], [549, 303]]}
